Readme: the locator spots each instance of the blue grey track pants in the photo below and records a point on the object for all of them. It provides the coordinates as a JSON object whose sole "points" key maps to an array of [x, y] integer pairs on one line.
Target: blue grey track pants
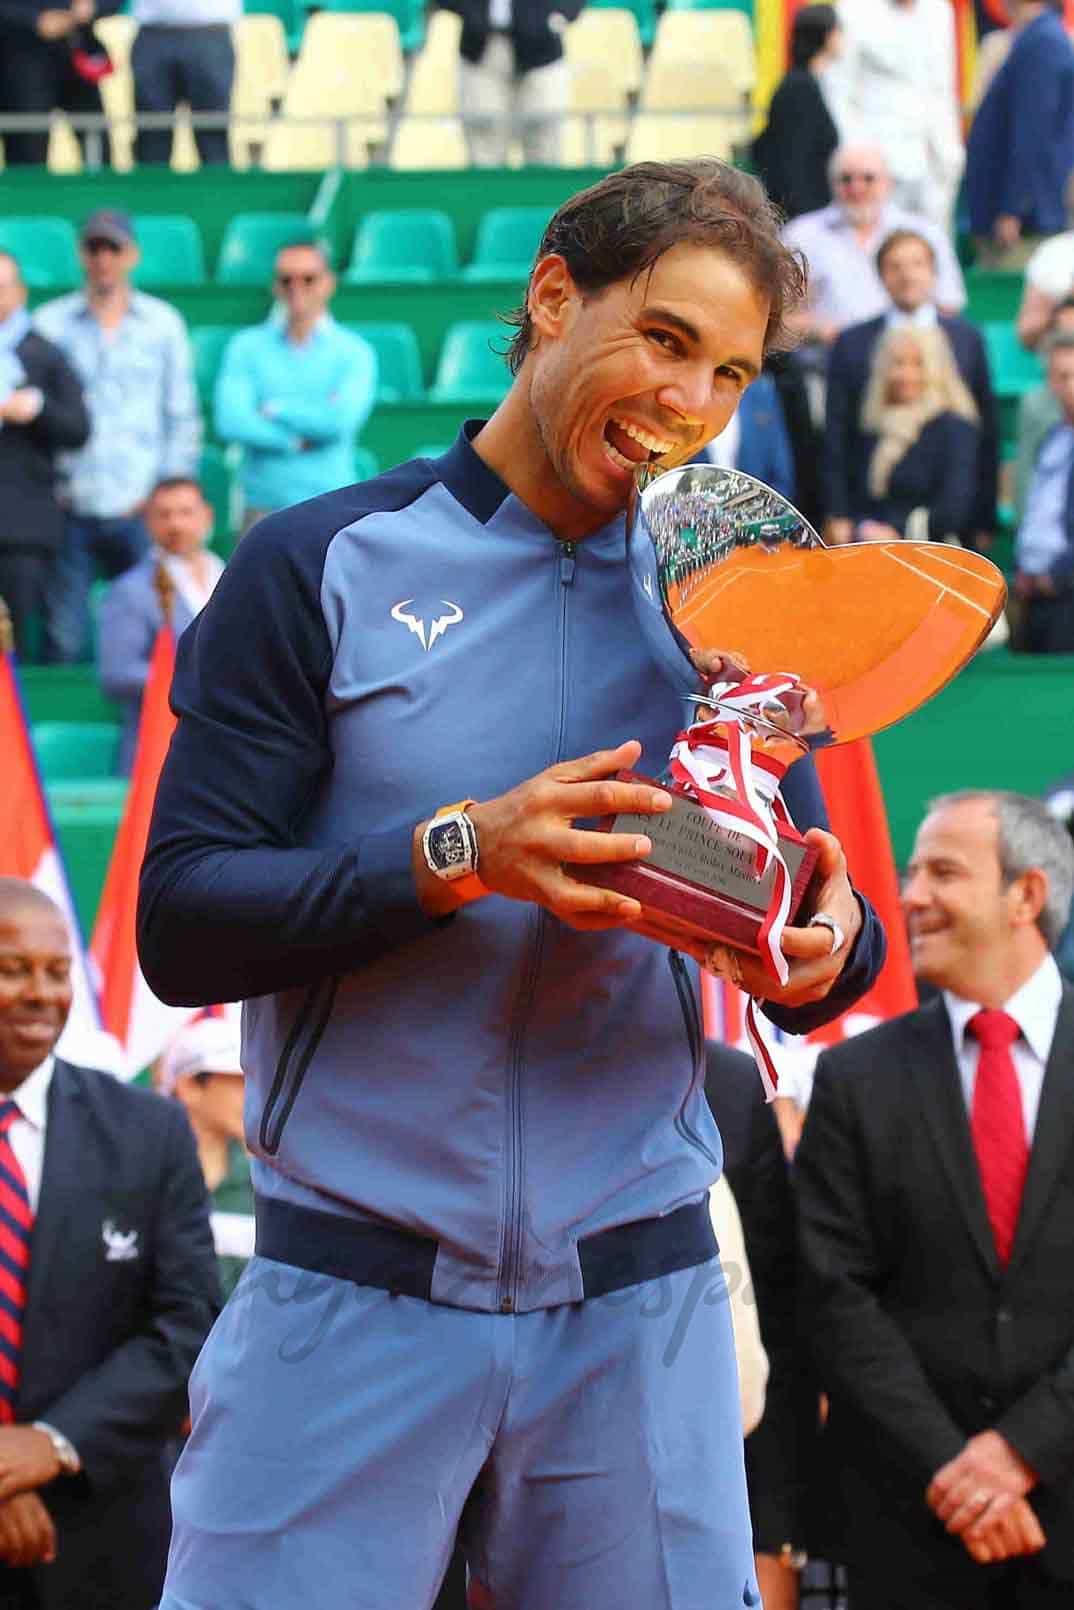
{"points": [[590, 1455]]}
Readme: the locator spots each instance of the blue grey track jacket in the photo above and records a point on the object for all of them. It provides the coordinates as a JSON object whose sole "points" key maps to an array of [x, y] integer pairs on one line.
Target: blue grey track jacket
{"points": [[495, 1081]]}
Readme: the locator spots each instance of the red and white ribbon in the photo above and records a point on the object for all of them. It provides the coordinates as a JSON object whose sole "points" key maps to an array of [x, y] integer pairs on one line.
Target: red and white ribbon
{"points": [[715, 762]]}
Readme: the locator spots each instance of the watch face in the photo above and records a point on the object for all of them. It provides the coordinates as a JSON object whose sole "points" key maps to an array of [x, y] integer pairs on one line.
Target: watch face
{"points": [[447, 846]]}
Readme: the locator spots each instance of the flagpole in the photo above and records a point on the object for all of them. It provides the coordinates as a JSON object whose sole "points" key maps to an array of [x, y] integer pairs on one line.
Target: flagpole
{"points": [[165, 589], [7, 631]]}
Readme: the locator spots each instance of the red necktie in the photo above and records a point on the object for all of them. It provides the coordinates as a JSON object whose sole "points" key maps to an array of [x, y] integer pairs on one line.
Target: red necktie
{"points": [[16, 1228], [998, 1126]]}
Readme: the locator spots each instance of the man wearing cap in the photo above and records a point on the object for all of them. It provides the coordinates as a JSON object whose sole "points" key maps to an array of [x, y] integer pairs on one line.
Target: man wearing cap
{"points": [[201, 1069], [133, 357], [107, 1289]]}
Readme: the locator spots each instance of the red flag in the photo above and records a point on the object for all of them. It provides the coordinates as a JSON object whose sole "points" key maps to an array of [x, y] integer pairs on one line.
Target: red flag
{"points": [[851, 785], [29, 849], [142, 1024]]}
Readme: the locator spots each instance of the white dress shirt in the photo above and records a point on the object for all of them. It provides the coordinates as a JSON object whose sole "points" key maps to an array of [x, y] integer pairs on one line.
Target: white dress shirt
{"points": [[723, 449], [1035, 1008], [27, 1133], [925, 317]]}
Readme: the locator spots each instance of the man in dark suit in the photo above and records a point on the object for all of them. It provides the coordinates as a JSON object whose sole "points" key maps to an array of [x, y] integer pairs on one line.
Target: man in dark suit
{"points": [[41, 410], [906, 264], [513, 77], [107, 1289], [935, 1183]]}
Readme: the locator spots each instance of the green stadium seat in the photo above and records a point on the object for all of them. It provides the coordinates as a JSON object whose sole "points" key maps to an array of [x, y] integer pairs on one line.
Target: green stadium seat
{"points": [[1014, 370], [507, 242], [644, 14], [81, 792], [470, 368], [218, 473], [172, 253], [365, 464], [994, 294], [208, 342], [415, 245], [399, 377], [75, 750], [292, 13], [46, 249], [86, 829], [409, 14], [252, 240]]}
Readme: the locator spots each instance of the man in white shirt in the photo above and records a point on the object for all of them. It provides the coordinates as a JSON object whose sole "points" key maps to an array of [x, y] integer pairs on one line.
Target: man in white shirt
{"points": [[896, 84], [933, 1177], [107, 1290]]}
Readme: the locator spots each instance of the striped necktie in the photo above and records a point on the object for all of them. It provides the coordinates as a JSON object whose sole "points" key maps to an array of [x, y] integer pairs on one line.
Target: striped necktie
{"points": [[16, 1228]]}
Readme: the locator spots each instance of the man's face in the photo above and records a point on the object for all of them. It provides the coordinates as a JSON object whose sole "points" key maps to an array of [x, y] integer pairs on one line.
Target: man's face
{"points": [[12, 290], [909, 275], [861, 185], [303, 283], [958, 911], [35, 989], [653, 368], [1061, 380], [105, 264], [179, 520]]}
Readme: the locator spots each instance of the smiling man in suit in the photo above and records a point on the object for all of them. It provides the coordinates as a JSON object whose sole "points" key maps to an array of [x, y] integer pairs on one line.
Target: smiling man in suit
{"points": [[936, 1185], [107, 1290]]}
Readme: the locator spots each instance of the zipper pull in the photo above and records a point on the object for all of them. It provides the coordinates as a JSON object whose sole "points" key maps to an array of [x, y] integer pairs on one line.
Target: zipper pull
{"points": [[566, 563]]}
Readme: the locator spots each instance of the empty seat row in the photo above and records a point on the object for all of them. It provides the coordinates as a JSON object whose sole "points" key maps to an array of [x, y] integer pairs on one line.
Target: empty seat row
{"points": [[416, 245]]}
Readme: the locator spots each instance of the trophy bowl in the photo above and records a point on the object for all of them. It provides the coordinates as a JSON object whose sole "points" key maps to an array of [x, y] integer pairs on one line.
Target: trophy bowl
{"points": [[781, 645]]}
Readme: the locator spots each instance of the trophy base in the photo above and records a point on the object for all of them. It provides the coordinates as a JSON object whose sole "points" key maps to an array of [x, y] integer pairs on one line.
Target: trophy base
{"points": [[698, 883]]}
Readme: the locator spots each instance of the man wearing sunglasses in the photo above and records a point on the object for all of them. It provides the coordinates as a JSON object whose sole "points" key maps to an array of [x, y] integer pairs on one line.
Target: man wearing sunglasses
{"points": [[132, 355], [295, 391]]}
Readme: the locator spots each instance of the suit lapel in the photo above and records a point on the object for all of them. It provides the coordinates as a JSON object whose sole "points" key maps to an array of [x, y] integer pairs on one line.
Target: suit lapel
{"points": [[935, 1073], [62, 1152], [1054, 1132]]}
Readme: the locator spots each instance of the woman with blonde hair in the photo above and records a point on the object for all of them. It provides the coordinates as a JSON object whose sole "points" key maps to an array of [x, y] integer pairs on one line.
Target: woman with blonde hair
{"points": [[922, 439]]}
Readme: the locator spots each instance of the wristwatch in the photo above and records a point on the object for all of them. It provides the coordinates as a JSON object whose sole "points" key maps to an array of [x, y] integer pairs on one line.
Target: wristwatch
{"points": [[65, 1450], [449, 845]]}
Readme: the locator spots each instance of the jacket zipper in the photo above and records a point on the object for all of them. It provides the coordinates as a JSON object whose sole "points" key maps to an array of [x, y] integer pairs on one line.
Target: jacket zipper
{"points": [[317, 1004], [512, 1252], [692, 1019]]}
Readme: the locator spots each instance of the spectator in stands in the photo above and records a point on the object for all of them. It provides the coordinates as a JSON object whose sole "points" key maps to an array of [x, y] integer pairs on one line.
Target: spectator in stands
{"points": [[109, 1290], [755, 1168], [756, 439], [41, 72], [918, 475], [1049, 280], [897, 86], [133, 356], [202, 1070], [41, 411], [793, 152], [1038, 413], [1044, 546], [938, 1285], [1021, 144], [295, 391], [906, 264], [840, 243], [183, 52], [180, 523], [513, 80]]}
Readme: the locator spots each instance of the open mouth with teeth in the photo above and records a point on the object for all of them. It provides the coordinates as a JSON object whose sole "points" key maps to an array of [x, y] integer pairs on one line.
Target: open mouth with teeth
{"points": [[628, 445]]}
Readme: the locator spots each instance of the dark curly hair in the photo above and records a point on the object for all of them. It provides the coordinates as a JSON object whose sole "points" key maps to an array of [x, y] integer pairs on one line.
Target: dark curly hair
{"points": [[620, 227]]}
